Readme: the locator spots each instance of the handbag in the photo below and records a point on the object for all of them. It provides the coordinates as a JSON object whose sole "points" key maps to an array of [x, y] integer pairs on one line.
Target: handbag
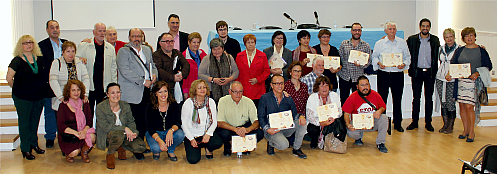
{"points": [[477, 159], [333, 144], [483, 97], [69, 138]]}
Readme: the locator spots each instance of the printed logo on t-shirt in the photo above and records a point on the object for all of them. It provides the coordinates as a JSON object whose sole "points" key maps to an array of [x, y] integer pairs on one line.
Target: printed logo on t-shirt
{"points": [[365, 108]]}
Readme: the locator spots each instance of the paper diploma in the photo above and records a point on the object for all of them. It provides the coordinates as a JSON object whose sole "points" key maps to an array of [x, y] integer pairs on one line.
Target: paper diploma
{"points": [[243, 144], [362, 121], [392, 59], [460, 70], [311, 58], [327, 111], [281, 120], [359, 57], [331, 61], [276, 62]]}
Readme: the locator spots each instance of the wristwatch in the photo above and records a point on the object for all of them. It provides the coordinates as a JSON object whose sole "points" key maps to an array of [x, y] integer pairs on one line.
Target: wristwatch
{"points": [[172, 129], [212, 81]]}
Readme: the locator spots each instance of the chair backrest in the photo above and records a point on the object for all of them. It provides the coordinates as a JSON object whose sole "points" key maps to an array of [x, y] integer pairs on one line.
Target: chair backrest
{"points": [[489, 161]]}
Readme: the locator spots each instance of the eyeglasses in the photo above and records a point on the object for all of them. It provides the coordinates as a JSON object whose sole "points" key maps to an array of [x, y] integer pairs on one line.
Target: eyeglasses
{"points": [[112, 93], [222, 29], [27, 43], [167, 41], [325, 37], [278, 83], [237, 92]]}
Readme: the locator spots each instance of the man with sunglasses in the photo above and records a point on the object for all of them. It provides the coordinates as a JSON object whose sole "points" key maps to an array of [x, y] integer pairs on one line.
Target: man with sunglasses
{"points": [[236, 115]]}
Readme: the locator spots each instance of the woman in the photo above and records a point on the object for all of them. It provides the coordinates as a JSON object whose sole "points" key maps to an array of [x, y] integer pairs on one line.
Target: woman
{"points": [[163, 122], [199, 120], [321, 95], [194, 56], [324, 48], [67, 68], [219, 69], [300, 53], [25, 68], [465, 89], [75, 122], [278, 49], [445, 88], [295, 88], [116, 127], [254, 69]]}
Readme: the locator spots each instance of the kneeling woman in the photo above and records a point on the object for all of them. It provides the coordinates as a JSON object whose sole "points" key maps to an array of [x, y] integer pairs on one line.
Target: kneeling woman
{"points": [[163, 122], [75, 122], [199, 120], [116, 128]]}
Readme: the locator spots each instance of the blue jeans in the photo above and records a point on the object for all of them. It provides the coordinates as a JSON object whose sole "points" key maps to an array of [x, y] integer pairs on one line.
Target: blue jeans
{"points": [[178, 137], [50, 120]]}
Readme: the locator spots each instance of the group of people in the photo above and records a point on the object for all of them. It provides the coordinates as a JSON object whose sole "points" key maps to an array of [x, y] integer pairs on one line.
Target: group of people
{"points": [[179, 93]]}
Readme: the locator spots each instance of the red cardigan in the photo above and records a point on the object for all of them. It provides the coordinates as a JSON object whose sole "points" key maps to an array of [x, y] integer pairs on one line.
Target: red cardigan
{"points": [[119, 45], [193, 75], [259, 69]]}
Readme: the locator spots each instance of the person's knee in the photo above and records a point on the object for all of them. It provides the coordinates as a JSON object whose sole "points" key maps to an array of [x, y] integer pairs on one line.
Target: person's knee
{"points": [[282, 145], [74, 153], [179, 135], [193, 159]]}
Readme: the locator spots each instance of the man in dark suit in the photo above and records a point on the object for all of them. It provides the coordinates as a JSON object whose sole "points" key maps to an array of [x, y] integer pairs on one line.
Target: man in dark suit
{"points": [[51, 48], [180, 38], [231, 46]]}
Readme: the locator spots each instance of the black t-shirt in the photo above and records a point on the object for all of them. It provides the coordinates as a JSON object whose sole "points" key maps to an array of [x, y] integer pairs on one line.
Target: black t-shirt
{"points": [[26, 83], [98, 68]]}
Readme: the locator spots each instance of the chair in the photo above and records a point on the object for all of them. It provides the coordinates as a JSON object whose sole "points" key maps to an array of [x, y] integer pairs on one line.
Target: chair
{"points": [[488, 163]]}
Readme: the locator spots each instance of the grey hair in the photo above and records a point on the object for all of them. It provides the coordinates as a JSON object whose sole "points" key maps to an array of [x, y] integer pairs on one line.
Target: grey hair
{"points": [[111, 28], [95, 26], [235, 83], [316, 59], [390, 23], [216, 42]]}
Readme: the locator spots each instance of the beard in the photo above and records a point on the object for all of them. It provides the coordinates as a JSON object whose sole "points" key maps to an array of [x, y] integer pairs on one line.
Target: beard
{"points": [[354, 38], [364, 94], [425, 32], [134, 45]]}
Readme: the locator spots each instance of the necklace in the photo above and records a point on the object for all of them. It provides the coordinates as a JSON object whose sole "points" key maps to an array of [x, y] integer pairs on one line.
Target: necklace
{"points": [[35, 68]]}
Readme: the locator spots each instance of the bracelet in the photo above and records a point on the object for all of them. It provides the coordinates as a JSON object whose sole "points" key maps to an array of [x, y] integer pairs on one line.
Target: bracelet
{"points": [[172, 130], [156, 138]]}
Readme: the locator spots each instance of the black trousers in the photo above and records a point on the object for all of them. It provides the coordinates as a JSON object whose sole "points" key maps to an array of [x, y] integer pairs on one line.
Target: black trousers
{"points": [[313, 131], [139, 110], [193, 154], [345, 87], [226, 134], [429, 87], [95, 97], [393, 81]]}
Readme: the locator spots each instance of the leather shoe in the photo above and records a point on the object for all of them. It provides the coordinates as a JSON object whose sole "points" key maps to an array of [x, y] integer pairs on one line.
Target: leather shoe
{"points": [[270, 149], [227, 153], [121, 153], [69, 159], [429, 127], [111, 161], [28, 155], [172, 158], [38, 150], [147, 151], [49, 143], [412, 126], [139, 156], [399, 129], [85, 150]]}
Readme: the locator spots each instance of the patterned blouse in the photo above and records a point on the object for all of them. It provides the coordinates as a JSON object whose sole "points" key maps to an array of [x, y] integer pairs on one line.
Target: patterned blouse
{"points": [[299, 97], [71, 71]]}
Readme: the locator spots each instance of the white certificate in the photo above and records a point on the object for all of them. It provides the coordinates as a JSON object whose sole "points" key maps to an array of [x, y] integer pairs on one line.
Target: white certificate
{"points": [[276, 61], [331, 61], [360, 57], [327, 111], [311, 58], [362, 121], [243, 144], [281, 120], [460, 70], [392, 59]]}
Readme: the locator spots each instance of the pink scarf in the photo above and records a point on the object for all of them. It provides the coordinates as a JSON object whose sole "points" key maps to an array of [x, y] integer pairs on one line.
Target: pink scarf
{"points": [[296, 53], [81, 120]]}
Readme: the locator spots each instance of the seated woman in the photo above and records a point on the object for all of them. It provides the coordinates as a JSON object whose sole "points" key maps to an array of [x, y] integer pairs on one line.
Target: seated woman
{"points": [[194, 55], [322, 95], [163, 122], [199, 120], [74, 122], [116, 128]]}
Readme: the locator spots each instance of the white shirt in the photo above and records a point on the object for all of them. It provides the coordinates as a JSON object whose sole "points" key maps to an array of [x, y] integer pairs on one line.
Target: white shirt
{"points": [[398, 45], [186, 118], [144, 59], [118, 121], [314, 101], [250, 58]]}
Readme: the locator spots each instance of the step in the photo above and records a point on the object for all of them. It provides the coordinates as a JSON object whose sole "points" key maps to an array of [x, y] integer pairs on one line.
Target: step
{"points": [[492, 90], [7, 108], [8, 122], [492, 102], [8, 138], [488, 115], [9, 142], [494, 79], [9, 94]]}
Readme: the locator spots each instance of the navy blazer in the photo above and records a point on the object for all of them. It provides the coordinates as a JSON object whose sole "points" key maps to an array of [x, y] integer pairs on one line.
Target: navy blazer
{"points": [[268, 105], [47, 51]]}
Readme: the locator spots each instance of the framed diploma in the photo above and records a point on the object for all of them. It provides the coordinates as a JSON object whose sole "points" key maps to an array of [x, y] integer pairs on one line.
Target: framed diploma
{"points": [[360, 57], [362, 121], [311, 57], [276, 61], [327, 111], [281, 120], [331, 61], [243, 144], [392, 59], [460, 70]]}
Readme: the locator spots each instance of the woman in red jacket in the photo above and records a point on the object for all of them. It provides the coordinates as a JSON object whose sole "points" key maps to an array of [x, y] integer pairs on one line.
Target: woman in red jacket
{"points": [[194, 55], [254, 69]]}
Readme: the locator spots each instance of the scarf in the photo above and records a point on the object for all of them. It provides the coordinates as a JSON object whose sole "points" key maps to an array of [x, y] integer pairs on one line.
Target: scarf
{"points": [[81, 120], [196, 56], [219, 69], [196, 117], [296, 54]]}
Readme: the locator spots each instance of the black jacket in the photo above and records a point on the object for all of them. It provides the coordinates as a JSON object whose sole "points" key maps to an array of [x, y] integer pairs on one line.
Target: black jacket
{"points": [[232, 47], [47, 51], [413, 44], [183, 41]]}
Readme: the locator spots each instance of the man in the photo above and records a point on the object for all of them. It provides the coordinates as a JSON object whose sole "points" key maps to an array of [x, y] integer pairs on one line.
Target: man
{"points": [[172, 66], [111, 37], [351, 71], [355, 104], [51, 48], [231, 46], [134, 63], [180, 38], [391, 77], [100, 62], [273, 102], [424, 50], [317, 70], [236, 115]]}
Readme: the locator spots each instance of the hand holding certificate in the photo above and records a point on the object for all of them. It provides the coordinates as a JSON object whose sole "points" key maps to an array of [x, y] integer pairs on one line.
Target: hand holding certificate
{"points": [[311, 58], [363, 121], [327, 111], [276, 61], [243, 144], [281, 120], [331, 61], [460, 70], [392, 59], [359, 57]]}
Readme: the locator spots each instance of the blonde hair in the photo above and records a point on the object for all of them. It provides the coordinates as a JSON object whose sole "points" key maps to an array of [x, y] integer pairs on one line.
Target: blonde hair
{"points": [[193, 88], [451, 31], [18, 52]]}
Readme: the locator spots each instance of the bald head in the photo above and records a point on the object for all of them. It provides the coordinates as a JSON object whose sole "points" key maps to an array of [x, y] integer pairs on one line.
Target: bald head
{"points": [[135, 37], [99, 32]]}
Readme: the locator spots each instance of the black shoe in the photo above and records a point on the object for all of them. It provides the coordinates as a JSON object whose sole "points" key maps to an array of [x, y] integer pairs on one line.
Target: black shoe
{"points": [[38, 150], [28, 155], [245, 153], [139, 156], [227, 153], [156, 157], [381, 147], [299, 153], [147, 151], [412, 126], [429, 127], [399, 129], [358, 142], [463, 136], [209, 156], [49, 143], [270, 149], [174, 158]]}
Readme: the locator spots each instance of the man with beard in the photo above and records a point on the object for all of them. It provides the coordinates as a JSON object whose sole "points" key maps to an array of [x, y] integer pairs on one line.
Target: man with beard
{"points": [[231, 46], [137, 73], [355, 104], [424, 50], [180, 38], [351, 71]]}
